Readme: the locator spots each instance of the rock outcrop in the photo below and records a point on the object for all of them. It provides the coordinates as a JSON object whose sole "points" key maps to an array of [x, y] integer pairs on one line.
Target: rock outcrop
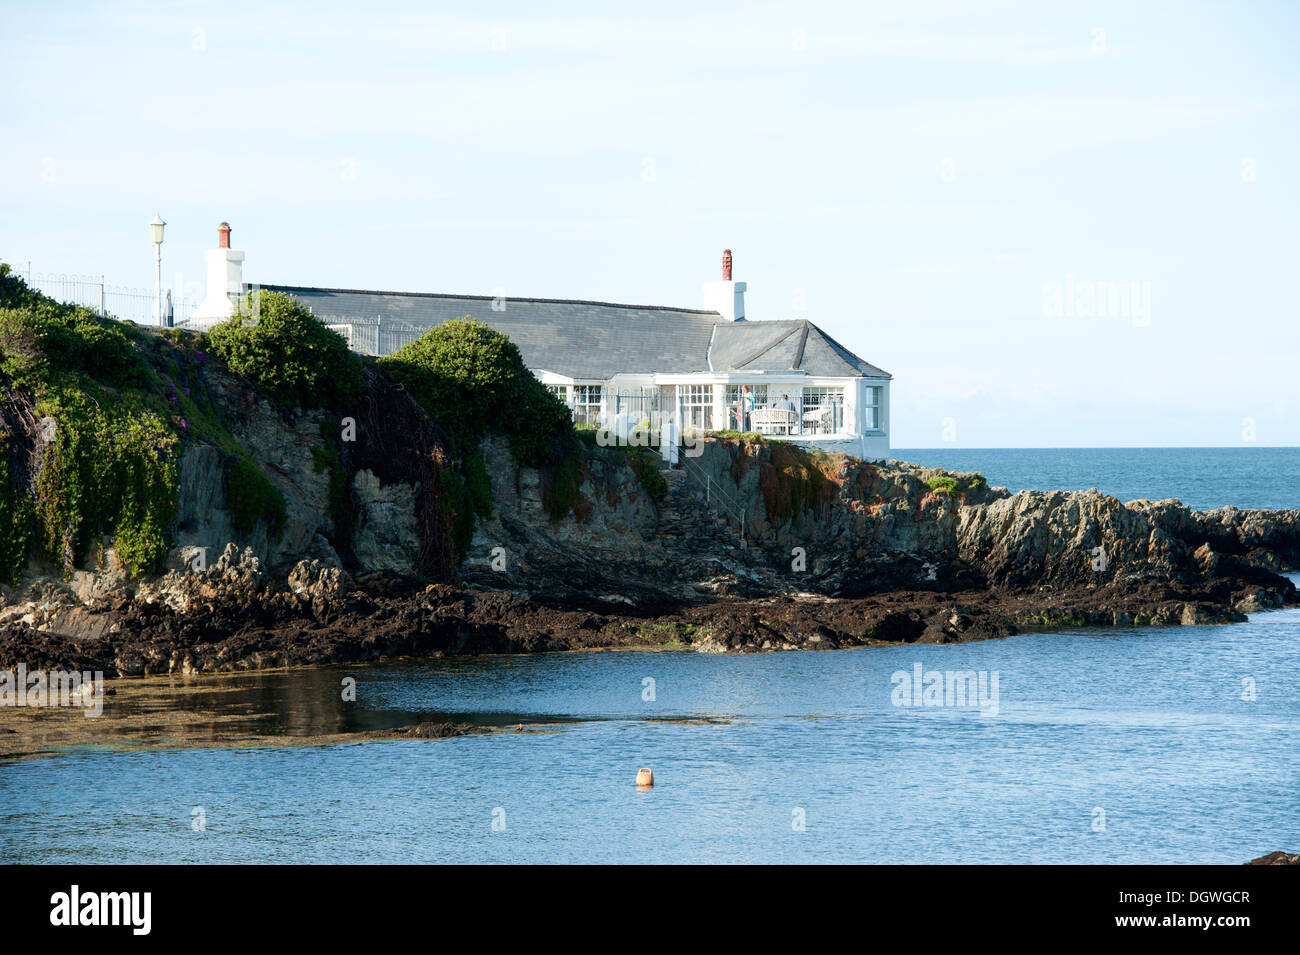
{"points": [[1277, 858], [747, 546]]}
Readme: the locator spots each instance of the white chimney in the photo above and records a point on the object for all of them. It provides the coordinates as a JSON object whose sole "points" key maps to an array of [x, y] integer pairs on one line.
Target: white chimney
{"points": [[726, 297], [225, 281]]}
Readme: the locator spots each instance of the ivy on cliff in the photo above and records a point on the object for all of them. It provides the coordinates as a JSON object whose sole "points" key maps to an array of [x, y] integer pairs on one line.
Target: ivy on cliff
{"points": [[111, 470], [106, 444], [15, 515]]}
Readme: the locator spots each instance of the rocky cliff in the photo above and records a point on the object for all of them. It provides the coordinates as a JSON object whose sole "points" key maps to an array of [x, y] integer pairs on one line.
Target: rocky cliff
{"points": [[782, 520], [750, 544], [799, 551]]}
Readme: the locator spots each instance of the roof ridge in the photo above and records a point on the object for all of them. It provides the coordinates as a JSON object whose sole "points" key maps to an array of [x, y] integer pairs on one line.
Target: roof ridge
{"points": [[797, 363], [484, 298]]}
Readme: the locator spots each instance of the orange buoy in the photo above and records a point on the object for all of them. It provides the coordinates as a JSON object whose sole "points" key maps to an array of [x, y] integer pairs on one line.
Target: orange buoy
{"points": [[644, 777]]}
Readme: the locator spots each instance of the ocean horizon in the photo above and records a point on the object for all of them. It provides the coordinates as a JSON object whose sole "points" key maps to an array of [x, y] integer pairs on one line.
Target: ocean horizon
{"points": [[1202, 478]]}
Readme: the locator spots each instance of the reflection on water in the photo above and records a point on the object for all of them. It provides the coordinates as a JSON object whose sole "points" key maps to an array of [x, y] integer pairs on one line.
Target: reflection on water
{"points": [[293, 703], [1151, 726], [285, 703]]}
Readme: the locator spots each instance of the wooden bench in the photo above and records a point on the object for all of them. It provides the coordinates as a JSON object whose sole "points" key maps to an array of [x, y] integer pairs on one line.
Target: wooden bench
{"points": [[773, 420]]}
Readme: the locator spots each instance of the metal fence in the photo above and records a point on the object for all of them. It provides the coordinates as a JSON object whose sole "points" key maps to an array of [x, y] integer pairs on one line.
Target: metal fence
{"points": [[646, 410], [115, 301], [373, 336]]}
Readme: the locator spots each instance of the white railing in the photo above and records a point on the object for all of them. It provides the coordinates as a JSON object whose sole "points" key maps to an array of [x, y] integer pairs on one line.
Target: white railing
{"points": [[116, 301], [800, 415], [797, 415]]}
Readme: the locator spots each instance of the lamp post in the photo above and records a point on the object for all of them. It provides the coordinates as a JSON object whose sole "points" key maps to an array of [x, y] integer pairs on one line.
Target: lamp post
{"points": [[156, 230]]}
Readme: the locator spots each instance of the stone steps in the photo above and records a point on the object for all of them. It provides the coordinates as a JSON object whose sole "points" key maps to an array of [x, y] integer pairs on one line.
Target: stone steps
{"points": [[686, 518]]}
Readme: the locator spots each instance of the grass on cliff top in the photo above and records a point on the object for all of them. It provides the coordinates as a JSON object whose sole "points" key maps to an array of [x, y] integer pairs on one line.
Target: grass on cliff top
{"points": [[753, 437]]}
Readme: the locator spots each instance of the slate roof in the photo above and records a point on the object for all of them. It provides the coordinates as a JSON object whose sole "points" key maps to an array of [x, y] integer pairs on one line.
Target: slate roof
{"points": [[598, 340], [782, 345]]}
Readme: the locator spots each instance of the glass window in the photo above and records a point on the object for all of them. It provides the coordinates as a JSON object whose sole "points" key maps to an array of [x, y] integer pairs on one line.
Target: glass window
{"points": [[757, 392], [823, 410], [697, 407], [757, 399], [586, 404], [871, 407]]}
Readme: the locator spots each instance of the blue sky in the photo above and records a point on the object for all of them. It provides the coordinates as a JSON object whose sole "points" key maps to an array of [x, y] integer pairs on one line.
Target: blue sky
{"points": [[914, 175]]}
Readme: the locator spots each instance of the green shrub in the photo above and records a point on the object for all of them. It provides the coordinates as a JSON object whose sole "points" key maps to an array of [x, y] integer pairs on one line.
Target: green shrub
{"points": [[943, 484], [40, 338], [110, 466], [470, 378], [274, 340]]}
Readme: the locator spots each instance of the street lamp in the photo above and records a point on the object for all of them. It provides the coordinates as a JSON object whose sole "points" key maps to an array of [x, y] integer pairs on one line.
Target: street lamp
{"points": [[156, 230]]}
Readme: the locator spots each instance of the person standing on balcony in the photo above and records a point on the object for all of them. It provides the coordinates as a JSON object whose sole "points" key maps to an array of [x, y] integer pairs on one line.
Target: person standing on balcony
{"points": [[744, 408]]}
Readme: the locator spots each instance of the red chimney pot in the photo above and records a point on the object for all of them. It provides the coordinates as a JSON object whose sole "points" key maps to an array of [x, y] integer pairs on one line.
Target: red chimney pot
{"points": [[726, 265], [223, 235]]}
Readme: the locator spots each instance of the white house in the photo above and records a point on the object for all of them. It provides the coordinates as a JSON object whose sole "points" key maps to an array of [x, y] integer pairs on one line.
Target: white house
{"points": [[620, 364]]}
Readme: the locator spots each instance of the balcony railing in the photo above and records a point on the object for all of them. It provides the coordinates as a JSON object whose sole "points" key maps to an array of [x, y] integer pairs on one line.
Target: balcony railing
{"points": [[799, 415], [794, 416]]}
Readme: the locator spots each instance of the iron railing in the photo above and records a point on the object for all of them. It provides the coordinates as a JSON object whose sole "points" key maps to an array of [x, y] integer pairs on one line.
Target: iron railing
{"points": [[115, 301], [377, 336], [714, 494]]}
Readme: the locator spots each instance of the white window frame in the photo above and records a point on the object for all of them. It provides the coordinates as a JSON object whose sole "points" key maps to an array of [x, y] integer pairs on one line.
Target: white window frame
{"points": [[872, 404], [586, 403], [819, 396], [696, 404]]}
